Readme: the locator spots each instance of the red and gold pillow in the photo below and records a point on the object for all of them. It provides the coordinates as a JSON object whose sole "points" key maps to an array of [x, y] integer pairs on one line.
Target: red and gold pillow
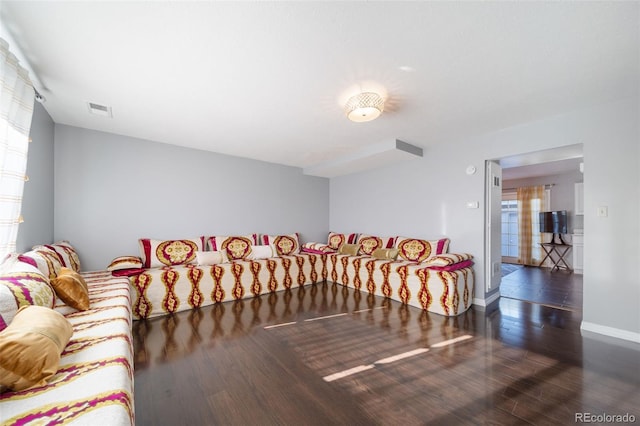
{"points": [[317, 248], [124, 262], [284, 245], [237, 247], [370, 243], [418, 250], [156, 253], [65, 252], [335, 240]]}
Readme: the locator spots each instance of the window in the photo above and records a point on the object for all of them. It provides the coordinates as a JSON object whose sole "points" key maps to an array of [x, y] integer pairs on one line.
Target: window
{"points": [[510, 239]]}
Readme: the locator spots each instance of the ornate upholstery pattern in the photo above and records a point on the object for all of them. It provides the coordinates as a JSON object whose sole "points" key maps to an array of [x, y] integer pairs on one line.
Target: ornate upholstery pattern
{"points": [[442, 290], [94, 383], [160, 291], [156, 253], [418, 250]]}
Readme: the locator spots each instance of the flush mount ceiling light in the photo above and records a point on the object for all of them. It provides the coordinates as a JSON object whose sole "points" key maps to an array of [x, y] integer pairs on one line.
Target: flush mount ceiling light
{"points": [[365, 106]]}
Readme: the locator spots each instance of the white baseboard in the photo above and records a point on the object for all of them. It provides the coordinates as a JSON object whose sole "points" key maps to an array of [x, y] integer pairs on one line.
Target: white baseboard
{"points": [[489, 300], [610, 331]]}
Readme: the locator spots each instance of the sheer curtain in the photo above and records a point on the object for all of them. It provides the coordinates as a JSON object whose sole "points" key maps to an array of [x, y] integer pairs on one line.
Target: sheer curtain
{"points": [[16, 110], [530, 203]]}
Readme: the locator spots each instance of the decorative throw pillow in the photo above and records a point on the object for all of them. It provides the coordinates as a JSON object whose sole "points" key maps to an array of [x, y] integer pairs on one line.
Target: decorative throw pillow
{"points": [[46, 259], [67, 255], [262, 252], [215, 242], [369, 243], [447, 259], [285, 245], [349, 249], [237, 247], [72, 289], [385, 253], [335, 240], [30, 347], [23, 287], [156, 253], [208, 258], [124, 262], [417, 250], [317, 248]]}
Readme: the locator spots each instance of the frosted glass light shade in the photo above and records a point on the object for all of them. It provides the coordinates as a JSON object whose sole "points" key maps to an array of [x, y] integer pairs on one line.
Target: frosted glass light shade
{"points": [[363, 107]]}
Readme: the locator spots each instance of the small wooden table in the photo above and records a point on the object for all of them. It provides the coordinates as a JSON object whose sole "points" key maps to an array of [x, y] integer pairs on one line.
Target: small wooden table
{"points": [[560, 250]]}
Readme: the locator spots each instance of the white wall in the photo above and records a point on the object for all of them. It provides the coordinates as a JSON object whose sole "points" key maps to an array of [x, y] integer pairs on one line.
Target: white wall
{"points": [[111, 190], [37, 201], [426, 198]]}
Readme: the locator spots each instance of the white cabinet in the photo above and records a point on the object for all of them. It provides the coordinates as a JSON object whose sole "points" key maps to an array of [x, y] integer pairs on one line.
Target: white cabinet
{"points": [[579, 198], [578, 252]]}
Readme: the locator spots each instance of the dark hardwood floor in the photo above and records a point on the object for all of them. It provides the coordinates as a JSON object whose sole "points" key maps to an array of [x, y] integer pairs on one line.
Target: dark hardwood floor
{"points": [[559, 289], [327, 355]]}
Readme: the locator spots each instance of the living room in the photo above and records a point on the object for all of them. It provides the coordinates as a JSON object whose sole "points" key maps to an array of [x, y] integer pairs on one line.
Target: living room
{"points": [[520, 87]]}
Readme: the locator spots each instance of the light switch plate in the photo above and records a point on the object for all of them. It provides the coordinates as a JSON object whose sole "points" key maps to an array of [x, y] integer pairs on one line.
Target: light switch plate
{"points": [[603, 211]]}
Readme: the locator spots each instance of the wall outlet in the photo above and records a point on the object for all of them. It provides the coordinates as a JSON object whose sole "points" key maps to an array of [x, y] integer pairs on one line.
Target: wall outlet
{"points": [[473, 204]]}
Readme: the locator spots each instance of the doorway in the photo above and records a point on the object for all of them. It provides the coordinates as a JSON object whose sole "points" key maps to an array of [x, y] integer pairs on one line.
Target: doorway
{"points": [[560, 170]]}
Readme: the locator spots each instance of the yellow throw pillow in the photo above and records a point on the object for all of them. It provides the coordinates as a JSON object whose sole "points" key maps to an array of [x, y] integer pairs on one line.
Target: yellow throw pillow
{"points": [[385, 254], [72, 289], [349, 249], [30, 347]]}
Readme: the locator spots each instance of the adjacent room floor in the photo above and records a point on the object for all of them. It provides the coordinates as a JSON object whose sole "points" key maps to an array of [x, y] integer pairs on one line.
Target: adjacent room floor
{"points": [[558, 289], [325, 354]]}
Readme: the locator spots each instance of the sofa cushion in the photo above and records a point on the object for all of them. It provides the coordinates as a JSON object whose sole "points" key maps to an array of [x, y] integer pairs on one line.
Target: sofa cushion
{"points": [[71, 288], [447, 259], [21, 285], [67, 255], [284, 245], [209, 258], [369, 243], [317, 248], [418, 250], [124, 262], [156, 253], [385, 253], [48, 261], [349, 249], [262, 252], [237, 247], [335, 240], [30, 347]]}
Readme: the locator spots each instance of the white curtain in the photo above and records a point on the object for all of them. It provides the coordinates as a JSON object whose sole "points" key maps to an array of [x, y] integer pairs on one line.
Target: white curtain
{"points": [[16, 111]]}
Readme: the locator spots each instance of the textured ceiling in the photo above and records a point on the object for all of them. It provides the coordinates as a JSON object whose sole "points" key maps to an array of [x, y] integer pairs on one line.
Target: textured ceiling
{"points": [[268, 80]]}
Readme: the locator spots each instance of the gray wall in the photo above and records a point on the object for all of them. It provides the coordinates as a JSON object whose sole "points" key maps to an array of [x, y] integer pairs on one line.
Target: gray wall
{"points": [[37, 202], [426, 198], [111, 190]]}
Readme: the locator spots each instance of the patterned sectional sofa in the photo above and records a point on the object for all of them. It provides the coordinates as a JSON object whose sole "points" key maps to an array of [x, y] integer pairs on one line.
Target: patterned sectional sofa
{"points": [[77, 327], [173, 275], [413, 271], [64, 361]]}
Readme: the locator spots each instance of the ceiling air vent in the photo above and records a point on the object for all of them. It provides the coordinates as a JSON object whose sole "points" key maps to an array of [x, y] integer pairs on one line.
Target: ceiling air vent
{"points": [[97, 109]]}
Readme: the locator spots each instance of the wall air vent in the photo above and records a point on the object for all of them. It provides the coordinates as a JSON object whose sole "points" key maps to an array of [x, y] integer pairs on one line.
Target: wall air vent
{"points": [[97, 109]]}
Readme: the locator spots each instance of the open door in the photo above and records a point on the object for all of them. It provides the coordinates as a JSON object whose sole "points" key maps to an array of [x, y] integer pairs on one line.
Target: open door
{"points": [[493, 224]]}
